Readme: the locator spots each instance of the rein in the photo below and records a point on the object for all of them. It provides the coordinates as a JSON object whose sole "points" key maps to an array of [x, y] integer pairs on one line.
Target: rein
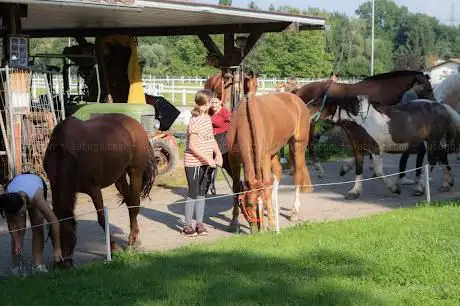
{"points": [[317, 115]]}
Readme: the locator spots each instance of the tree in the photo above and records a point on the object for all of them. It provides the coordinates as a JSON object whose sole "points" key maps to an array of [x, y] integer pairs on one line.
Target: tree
{"points": [[252, 5], [225, 2], [271, 8]]}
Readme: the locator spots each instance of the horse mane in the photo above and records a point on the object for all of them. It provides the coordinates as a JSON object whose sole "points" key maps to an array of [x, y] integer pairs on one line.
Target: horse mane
{"points": [[392, 74]]}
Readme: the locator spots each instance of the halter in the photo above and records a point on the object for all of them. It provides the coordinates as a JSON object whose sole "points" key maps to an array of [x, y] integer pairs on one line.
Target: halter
{"points": [[242, 203], [317, 115]]}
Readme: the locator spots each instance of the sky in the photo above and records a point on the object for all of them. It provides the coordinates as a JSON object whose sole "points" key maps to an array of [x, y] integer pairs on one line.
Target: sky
{"points": [[441, 9]]}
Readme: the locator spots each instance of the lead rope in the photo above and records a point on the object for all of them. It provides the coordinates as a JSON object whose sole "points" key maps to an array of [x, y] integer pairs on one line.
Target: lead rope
{"points": [[317, 115]]}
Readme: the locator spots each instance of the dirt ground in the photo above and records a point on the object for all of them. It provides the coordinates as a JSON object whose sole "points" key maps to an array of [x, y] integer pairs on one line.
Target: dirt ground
{"points": [[161, 217]]}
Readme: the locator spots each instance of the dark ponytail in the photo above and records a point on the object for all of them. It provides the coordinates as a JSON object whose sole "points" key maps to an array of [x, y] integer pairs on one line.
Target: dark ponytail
{"points": [[11, 203]]}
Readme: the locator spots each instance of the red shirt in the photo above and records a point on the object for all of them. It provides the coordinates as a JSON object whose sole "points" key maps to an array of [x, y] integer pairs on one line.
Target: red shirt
{"points": [[220, 121]]}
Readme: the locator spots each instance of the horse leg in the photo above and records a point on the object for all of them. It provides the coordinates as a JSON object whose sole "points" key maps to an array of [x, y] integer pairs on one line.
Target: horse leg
{"points": [[378, 166], [420, 187], [235, 165], [299, 177], [96, 196], [276, 168], [355, 192], [345, 167], [311, 148], [448, 179], [134, 202]]}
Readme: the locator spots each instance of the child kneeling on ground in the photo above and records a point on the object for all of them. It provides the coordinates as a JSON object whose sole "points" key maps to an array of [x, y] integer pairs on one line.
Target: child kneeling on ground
{"points": [[200, 147]]}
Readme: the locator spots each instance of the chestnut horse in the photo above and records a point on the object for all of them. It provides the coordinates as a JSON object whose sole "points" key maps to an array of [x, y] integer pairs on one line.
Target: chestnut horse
{"points": [[221, 83], [86, 156], [259, 128], [382, 89]]}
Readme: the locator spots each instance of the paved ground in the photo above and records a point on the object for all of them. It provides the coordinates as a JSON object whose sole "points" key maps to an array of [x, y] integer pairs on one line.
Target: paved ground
{"points": [[161, 217]]}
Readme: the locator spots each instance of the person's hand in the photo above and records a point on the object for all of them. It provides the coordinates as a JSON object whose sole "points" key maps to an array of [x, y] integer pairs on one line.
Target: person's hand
{"points": [[211, 163], [219, 161], [57, 255]]}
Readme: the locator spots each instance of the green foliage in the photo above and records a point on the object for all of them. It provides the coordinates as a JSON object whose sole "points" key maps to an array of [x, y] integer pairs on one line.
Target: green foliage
{"points": [[253, 5], [403, 40], [225, 2], [405, 257]]}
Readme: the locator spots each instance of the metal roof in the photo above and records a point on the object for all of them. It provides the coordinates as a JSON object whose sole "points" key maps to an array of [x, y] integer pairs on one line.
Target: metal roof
{"points": [[62, 17]]}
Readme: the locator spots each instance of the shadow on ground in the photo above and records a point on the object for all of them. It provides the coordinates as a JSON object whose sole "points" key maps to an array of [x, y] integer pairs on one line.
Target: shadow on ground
{"points": [[197, 277]]}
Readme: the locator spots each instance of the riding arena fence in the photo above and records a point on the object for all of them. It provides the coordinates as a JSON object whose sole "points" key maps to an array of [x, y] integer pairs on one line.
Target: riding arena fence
{"points": [[178, 90]]}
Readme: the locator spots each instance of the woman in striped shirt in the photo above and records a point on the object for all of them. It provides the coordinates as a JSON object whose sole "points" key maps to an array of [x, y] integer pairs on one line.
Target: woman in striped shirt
{"points": [[200, 147]]}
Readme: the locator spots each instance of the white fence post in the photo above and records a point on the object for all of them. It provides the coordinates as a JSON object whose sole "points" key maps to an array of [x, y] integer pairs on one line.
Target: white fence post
{"points": [[427, 176], [276, 204], [184, 96], [107, 233]]}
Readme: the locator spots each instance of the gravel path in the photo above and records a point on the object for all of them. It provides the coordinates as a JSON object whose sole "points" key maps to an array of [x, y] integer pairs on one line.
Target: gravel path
{"points": [[161, 217]]}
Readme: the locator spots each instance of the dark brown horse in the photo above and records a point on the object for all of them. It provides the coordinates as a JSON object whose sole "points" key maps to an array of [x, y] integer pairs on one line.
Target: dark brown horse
{"points": [[87, 156], [259, 127], [382, 89], [221, 83]]}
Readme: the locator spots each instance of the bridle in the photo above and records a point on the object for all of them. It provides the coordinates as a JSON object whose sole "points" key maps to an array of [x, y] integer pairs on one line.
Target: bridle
{"points": [[242, 203]]}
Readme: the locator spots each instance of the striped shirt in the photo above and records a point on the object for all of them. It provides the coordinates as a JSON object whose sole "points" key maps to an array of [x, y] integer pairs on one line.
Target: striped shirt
{"points": [[202, 127]]}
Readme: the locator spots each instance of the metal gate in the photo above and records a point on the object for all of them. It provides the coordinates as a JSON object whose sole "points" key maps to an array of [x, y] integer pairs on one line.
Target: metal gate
{"points": [[28, 122]]}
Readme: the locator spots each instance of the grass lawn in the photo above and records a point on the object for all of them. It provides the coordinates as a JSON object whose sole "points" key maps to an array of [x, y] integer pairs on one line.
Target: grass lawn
{"points": [[405, 257]]}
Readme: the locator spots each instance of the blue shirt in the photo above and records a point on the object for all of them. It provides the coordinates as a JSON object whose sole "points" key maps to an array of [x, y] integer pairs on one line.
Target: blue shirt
{"points": [[28, 183], [408, 96]]}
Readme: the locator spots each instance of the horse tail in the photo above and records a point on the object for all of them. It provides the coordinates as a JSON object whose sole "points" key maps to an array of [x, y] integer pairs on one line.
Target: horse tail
{"points": [[254, 123], [150, 172]]}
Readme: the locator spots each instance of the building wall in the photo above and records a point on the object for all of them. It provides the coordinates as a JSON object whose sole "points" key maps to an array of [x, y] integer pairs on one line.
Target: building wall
{"points": [[439, 73]]}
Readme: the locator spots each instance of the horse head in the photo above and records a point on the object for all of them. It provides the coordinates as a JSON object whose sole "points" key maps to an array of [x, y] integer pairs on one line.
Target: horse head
{"points": [[250, 83], [256, 192], [68, 237]]}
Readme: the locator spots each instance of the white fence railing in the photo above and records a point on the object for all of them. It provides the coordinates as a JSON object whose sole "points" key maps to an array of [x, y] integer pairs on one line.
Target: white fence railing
{"points": [[178, 90]]}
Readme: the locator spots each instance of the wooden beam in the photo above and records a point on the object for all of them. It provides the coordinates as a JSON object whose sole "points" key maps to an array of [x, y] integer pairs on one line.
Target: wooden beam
{"points": [[252, 40], [159, 31], [210, 45]]}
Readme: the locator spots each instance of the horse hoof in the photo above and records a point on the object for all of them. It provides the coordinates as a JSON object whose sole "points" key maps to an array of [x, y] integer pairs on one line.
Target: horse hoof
{"points": [[397, 190], [234, 227], [352, 196], [293, 218], [444, 189]]}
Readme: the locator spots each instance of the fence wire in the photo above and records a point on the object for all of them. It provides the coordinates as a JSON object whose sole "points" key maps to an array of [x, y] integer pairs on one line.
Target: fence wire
{"points": [[228, 195]]}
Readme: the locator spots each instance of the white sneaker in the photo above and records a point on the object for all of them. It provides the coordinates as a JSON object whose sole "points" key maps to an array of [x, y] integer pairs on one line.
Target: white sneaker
{"points": [[39, 269], [18, 271], [406, 181]]}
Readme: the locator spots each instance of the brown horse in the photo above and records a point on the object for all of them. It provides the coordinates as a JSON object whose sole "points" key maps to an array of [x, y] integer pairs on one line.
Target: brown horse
{"points": [[382, 89], [86, 156], [221, 83], [259, 128]]}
